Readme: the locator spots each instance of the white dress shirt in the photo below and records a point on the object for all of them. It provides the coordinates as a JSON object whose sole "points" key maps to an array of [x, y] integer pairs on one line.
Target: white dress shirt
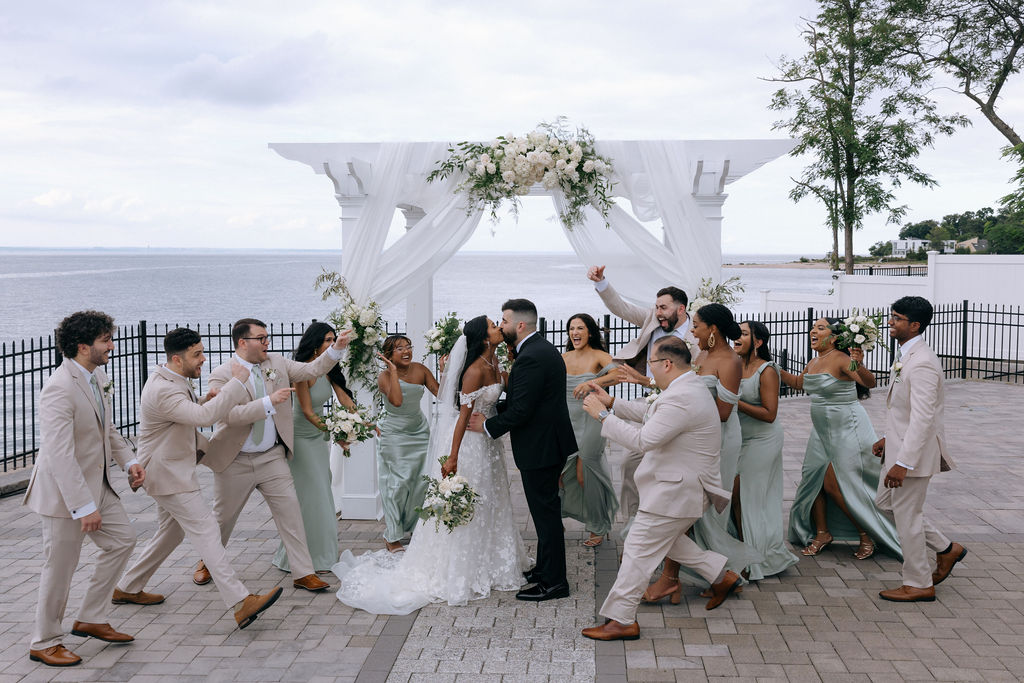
{"points": [[904, 347], [680, 331], [269, 429]]}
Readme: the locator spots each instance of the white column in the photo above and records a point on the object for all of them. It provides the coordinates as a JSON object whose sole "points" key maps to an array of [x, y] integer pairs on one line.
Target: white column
{"points": [[711, 207], [419, 305], [354, 479]]}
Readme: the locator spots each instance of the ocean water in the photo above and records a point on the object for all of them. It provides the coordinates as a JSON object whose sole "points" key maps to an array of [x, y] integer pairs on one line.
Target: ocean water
{"points": [[39, 287]]}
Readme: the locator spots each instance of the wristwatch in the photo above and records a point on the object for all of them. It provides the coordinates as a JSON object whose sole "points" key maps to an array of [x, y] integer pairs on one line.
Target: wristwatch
{"points": [[605, 413]]}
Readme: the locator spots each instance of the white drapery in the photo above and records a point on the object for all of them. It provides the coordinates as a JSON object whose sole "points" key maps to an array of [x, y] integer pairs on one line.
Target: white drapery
{"points": [[655, 176]]}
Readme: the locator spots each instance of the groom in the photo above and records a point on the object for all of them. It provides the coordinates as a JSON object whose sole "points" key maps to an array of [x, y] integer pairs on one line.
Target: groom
{"points": [[537, 416]]}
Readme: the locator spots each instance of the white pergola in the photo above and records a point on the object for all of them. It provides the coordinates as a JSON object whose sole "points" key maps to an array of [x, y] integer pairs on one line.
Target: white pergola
{"points": [[676, 185]]}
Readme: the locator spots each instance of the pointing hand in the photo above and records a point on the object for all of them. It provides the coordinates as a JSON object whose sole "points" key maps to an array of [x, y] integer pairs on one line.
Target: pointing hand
{"points": [[595, 273]]}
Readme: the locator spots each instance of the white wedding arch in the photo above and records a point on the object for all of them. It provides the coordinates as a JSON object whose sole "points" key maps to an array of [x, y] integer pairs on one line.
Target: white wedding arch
{"points": [[680, 183]]}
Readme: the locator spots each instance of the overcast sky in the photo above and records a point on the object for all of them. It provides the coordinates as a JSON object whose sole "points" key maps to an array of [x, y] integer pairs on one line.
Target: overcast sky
{"points": [[146, 123]]}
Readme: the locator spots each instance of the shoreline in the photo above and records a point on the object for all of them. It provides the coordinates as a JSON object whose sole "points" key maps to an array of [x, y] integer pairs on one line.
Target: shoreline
{"points": [[794, 265]]}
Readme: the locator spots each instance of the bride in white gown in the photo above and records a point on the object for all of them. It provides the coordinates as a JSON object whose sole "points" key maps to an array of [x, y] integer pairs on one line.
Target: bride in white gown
{"points": [[484, 555]]}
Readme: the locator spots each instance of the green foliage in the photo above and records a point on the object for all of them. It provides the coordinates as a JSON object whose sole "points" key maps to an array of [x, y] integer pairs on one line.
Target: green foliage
{"points": [[917, 231], [727, 293], [880, 249], [1006, 237], [860, 109]]}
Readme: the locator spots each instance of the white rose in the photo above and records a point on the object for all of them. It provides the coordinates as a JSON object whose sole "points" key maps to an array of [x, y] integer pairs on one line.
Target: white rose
{"points": [[550, 180], [485, 159], [457, 486], [859, 339], [367, 317], [861, 318], [588, 165], [491, 168], [509, 176], [560, 164], [854, 328]]}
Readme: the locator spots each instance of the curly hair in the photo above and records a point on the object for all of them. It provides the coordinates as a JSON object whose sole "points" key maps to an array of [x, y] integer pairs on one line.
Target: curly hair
{"points": [[179, 340], [475, 332], [594, 340], [82, 327], [311, 340]]}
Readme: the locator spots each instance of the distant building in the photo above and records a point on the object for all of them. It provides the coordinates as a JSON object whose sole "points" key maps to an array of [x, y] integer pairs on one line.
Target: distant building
{"points": [[900, 248], [974, 245]]}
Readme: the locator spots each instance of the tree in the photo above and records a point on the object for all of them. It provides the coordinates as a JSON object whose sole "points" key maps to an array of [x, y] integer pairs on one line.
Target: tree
{"points": [[858, 107], [1005, 237], [937, 238], [880, 249], [964, 226], [917, 231]]}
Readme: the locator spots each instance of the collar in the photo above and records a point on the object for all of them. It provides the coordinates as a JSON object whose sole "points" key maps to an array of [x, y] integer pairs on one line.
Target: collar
{"points": [[688, 372], [85, 373], [174, 373], [245, 362], [909, 344], [523, 341]]}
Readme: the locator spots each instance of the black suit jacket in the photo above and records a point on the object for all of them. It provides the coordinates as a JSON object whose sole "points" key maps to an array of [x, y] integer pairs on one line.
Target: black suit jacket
{"points": [[536, 414]]}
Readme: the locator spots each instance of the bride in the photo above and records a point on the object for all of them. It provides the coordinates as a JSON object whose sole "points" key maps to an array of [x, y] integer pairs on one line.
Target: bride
{"points": [[485, 554]]}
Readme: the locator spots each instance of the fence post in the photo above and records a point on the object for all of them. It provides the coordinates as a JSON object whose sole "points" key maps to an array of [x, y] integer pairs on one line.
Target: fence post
{"points": [[143, 355], [58, 357], [542, 326], [608, 332], [810, 324], [963, 343]]}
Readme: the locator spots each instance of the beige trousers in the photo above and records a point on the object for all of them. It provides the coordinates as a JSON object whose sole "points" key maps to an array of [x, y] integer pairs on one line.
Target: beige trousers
{"points": [[905, 507], [651, 538], [269, 473], [62, 548], [629, 497], [179, 516]]}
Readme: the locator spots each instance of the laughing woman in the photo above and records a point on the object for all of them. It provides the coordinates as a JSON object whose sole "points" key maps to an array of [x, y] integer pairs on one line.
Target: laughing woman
{"points": [[835, 499], [402, 446], [588, 495]]}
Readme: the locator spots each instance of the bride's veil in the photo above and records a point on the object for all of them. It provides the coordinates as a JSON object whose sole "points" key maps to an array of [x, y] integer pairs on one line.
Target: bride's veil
{"points": [[447, 408]]}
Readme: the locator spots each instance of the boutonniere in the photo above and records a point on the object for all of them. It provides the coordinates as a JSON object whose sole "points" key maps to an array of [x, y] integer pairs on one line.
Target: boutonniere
{"points": [[653, 396], [191, 384], [896, 368], [270, 373], [108, 389]]}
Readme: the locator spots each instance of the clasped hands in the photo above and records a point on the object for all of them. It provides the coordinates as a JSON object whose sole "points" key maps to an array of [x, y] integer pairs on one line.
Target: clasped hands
{"points": [[897, 473], [596, 400]]}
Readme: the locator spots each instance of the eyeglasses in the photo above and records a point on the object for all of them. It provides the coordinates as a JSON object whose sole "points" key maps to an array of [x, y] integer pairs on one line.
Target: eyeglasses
{"points": [[655, 360], [899, 318], [262, 339]]}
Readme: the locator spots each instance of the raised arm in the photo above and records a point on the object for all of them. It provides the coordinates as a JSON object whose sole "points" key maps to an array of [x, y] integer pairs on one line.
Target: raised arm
{"points": [[387, 382], [177, 407]]}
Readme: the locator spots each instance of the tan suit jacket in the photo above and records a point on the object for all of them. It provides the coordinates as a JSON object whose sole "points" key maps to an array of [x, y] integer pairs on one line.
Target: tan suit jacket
{"points": [[232, 431], [635, 352], [75, 445], [681, 439], [169, 444], [915, 431]]}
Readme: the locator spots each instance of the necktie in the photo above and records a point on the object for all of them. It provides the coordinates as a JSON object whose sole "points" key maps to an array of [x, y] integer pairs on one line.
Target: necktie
{"points": [[899, 353], [260, 392], [97, 395]]}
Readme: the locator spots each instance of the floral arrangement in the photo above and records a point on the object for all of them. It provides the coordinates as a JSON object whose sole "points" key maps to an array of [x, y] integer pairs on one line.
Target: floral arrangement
{"points": [[504, 361], [341, 425], [726, 293], [270, 374], [897, 367], [108, 389], [450, 501], [858, 331], [508, 166], [441, 337], [367, 327]]}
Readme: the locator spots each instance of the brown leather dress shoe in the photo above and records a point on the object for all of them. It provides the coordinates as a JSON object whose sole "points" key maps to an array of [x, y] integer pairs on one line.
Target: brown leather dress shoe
{"points": [[140, 598], [100, 631], [201, 576], [311, 582], [613, 630], [58, 655], [944, 563], [721, 590], [909, 594], [253, 605]]}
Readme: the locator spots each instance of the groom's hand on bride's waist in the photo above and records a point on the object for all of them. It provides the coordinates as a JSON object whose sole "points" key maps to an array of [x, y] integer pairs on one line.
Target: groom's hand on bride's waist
{"points": [[476, 422]]}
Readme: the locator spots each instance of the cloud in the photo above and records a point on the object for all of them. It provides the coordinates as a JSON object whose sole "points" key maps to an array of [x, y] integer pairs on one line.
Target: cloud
{"points": [[54, 197]]}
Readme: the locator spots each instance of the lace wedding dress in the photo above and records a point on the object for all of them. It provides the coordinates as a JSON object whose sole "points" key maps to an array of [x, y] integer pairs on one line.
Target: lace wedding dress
{"points": [[437, 566]]}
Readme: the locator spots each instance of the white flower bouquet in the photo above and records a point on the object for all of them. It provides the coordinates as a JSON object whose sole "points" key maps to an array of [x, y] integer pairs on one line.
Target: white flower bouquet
{"points": [[368, 334], [441, 337], [342, 425], [858, 331], [508, 166], [450, 501]]}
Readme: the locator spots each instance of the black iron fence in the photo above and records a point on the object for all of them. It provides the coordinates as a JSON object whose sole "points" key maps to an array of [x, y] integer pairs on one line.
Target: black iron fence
{"points": [[973, 341], [903, 271]]}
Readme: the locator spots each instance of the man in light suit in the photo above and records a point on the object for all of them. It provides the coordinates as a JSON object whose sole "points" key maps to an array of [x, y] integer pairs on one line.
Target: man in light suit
{"points": [[250, 447], [679, 476], [71, 491], [914, 449], [667, 317], [169, 448]]}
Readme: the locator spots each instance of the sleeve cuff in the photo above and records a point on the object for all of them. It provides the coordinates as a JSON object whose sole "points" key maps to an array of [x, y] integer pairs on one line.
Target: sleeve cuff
{"points": [[83, 511], [133, 461], [335, 354], [904, 465], [484, 427], [601, 285], [268, 406]]}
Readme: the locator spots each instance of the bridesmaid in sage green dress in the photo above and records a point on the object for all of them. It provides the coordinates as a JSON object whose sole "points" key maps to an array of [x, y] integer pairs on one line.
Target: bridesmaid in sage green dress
{"points": [[588, 495], [405, 434], [310, 464], [835, 499], [757, 495]]}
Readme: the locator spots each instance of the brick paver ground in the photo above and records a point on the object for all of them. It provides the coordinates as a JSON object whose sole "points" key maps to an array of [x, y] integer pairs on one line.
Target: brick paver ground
{"points": [[821, 620]]}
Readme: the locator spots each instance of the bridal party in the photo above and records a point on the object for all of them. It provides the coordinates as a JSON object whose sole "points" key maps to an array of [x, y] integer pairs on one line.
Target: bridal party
{"points": [[699, 506]]}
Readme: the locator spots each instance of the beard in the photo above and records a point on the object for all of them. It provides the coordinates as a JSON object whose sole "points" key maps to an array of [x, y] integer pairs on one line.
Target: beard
{"points": [[510, 339], [672, 321]]}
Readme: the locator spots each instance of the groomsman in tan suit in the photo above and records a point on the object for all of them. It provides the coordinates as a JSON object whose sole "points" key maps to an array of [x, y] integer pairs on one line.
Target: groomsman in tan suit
{"points": [[678, 478], [250, 447], [169, 448], [71, 491], [914, 449], [667, 317]]}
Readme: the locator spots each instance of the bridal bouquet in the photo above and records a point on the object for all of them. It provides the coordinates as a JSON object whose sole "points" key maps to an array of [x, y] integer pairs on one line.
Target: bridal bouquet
{"points": [[342, 425], [450, 501], [367, 327], [858, 331], [441, 337], [508, 166]]}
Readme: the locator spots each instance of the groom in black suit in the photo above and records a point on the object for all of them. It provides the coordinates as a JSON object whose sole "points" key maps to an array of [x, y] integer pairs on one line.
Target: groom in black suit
{"points": [[537, 416]]}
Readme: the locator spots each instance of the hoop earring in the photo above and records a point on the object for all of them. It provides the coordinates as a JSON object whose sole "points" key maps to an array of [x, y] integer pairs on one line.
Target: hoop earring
{"points": [[711, 341]]}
